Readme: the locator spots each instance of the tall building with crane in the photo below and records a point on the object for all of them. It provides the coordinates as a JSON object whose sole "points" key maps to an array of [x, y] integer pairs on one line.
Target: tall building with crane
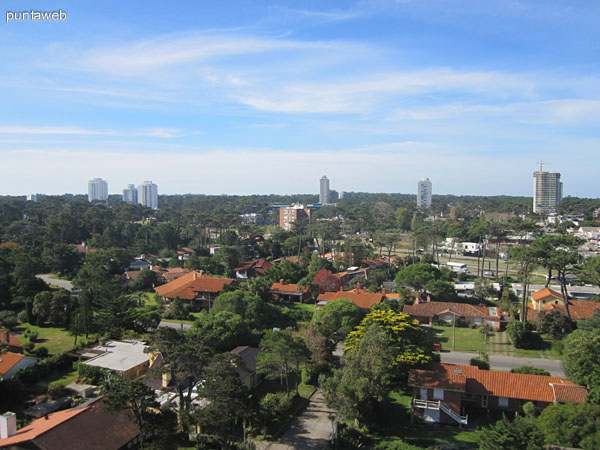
{"points": [[547, 190]]}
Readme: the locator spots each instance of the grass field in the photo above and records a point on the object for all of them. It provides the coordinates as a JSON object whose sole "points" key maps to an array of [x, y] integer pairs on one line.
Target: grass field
{"points": [[399, 429], [465, 340], [56, 340]]}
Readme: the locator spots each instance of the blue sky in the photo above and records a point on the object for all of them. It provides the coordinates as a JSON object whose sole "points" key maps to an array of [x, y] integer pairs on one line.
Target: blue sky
{"points": [[243, 97]]}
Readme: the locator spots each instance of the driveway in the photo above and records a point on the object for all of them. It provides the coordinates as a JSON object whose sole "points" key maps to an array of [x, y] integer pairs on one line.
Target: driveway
{"points": [[65, 284], [310, 430], [498, 362], [176, 325]]}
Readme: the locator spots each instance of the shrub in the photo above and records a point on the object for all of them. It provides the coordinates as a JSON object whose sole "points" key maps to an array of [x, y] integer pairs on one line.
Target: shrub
{"points": [[57, 388], [522, 336], [31, 335], [22, 316], [40, 352], [92, 374], [483, 365], [530, 370]]}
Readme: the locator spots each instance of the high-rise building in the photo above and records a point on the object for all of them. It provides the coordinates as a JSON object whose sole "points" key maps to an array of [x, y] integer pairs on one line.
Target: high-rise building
{"points": [[290, 214], [97, 190], [148, 194], [324, 192], [424, 193], [130, 194], [547, 191]]}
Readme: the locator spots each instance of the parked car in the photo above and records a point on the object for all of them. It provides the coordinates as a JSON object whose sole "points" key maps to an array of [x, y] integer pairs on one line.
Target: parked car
{"points": [[437, 347]]}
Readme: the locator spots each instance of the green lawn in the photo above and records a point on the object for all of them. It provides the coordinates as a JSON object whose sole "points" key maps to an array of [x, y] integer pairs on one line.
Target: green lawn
{"points": [[56, 340], [59, 277], [465, 339], [399, 429]]}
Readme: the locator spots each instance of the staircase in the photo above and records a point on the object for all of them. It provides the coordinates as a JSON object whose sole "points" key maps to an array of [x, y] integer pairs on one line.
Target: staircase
{"points": [[439, 405]]}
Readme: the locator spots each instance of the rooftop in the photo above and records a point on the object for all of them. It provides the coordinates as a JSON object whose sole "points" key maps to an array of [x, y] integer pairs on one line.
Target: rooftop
{"points": [[119, 356]]}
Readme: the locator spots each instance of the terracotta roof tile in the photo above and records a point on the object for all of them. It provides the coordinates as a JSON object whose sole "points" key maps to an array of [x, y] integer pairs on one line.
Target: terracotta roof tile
{"points": [[499, 384], [9, 360], [578, 309], [281, 287], [546, 292], [359, 297], [430, 309], [189, 286], [12, 339]]}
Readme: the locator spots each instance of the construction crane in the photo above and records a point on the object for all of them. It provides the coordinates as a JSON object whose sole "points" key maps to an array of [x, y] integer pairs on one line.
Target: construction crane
{"points": [[541, 163]]}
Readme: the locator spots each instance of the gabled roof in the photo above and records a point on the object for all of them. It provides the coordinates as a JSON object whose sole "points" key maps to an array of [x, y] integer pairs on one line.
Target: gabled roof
{"points": [[578, 309], [9, 360], [12, 339], [256, 264], [190, 285], [546, 292], [87, 427], [248, 356], [431, 309], [291, 288], [359, 297], [500, 384]]}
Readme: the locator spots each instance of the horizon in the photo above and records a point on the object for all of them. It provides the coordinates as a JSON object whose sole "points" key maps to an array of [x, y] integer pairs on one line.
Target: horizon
{"points": [[242, 97]]}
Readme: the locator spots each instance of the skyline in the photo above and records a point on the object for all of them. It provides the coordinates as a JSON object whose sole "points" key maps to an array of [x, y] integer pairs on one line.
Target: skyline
{"points": [[247, 98]]}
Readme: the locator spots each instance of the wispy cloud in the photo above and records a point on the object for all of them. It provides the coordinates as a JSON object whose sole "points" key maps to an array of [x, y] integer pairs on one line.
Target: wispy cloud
{"points": [[163, 133]]}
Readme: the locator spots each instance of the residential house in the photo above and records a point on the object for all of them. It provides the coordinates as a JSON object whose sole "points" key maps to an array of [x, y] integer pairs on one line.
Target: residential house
{"points": [[251, 269], [184, 253], [87, 426], [195, 287], [429, 312], [549, 300], [11, 363], [545, 297], [350, 274], [288, 292], [11, 342], [247, 371], [129, 358], [360, 297], [449, 393]]}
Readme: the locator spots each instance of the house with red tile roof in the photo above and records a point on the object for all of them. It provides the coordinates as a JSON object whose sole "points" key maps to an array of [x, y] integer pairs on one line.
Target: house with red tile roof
{"points": [[429, 312], [195, 287], [360, 297], [251, 269], [288, 292], [88, 427], [11, 363], [545, 297], [449, 393], [351, 273], [10, 342]]}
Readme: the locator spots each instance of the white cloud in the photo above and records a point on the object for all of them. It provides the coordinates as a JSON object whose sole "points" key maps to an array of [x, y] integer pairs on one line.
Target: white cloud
{"points": [[77, 131]]}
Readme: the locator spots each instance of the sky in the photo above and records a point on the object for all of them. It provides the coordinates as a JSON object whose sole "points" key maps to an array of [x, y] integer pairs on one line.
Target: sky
{"points": [[259, 97]]}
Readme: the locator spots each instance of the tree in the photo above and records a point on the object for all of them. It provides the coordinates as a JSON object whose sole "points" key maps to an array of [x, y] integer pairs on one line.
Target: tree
{"points": [[362, 382], [185, 356], [591, 269], [227, 397], [581, 359], [223, 330], [440, 289], [409, 344], [593, 323], [417, 276], [518, 434], [484, 288], [281, 355], [522, 335], [327, 281], [527, 258], [337, 318], [571, 425], [555, 324], [125, 394], [115, 316]]}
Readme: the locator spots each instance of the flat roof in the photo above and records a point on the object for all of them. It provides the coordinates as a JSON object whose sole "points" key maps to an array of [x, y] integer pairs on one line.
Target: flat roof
{"points": [[120, 356]]}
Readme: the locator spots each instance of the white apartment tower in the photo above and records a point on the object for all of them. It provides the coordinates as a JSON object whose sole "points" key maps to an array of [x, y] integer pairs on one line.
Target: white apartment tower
{"points": [[547, 191], [97, 190], [148, 194], [324, 194], [130, 194], [424, 193]]}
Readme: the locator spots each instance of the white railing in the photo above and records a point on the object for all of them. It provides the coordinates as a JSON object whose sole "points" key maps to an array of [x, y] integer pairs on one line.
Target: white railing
{"points": [[426, 404]]}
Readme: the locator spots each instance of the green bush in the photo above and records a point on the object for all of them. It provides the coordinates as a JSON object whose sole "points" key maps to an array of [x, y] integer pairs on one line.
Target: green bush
{"points": [[40, 352], [92, 374], [57, 388], [483, 365], [522, 335]]}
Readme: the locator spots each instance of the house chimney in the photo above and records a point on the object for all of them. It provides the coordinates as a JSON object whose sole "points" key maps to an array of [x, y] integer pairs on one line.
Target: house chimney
{"points": [[428, 298], [166, 379], [281, 281], [357, 286], [8, 424], [195, 275], [7, 336], [341, 288], [417, 299], [383, 292]]}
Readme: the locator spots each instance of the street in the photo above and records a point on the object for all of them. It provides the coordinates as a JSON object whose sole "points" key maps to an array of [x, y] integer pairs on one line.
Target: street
{"points": [[65, 284]]}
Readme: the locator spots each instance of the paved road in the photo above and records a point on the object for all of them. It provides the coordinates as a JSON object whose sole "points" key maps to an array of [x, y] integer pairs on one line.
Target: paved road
{"points": [[176, 325], [311, 430], [498, 362], [54, 282]]}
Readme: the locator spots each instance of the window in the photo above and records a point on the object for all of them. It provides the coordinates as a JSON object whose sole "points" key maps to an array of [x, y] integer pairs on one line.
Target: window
{"points": [[503, 402], [438, 394], [484, 401], [449, 318]]}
